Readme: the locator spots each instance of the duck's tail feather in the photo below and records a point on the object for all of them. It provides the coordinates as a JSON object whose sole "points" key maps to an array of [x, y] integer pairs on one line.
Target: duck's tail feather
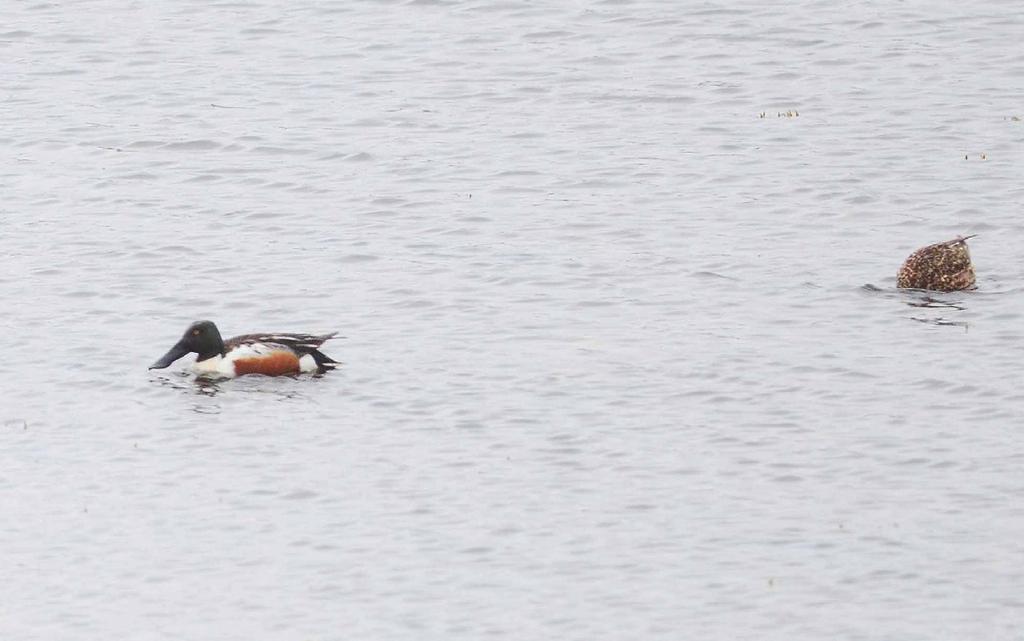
{"points": [[323, 362]]}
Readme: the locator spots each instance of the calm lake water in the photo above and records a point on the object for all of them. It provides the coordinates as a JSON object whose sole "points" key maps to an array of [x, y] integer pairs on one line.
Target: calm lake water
{"points": [[623, 357]]}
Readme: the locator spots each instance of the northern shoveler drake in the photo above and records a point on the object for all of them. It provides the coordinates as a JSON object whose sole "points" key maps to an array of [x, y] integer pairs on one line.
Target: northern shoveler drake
{"points": [[943, 267], [269, 354]]}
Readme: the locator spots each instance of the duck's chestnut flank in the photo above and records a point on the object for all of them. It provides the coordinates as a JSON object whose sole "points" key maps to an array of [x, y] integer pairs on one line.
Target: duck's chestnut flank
{"points": [[273, 364]]}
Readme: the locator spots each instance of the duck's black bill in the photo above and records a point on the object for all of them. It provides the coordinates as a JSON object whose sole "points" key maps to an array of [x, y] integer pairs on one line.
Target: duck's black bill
{"points": [[172, 355]]}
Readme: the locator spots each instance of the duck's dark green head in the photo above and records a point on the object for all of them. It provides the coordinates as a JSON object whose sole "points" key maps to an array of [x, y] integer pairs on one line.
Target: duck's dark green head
{"points": [[201, 337]]}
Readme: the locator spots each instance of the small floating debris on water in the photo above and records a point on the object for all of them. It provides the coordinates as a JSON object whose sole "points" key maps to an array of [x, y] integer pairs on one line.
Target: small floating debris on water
{"points": [[943, 267], [980, 156], [790, 113]]}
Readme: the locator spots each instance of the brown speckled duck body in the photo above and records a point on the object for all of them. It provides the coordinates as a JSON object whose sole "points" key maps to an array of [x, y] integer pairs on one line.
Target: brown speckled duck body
{"points": [[943, 267]]}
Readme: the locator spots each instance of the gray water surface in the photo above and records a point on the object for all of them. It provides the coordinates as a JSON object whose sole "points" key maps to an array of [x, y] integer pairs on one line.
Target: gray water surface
{"points": [[623, 357]]}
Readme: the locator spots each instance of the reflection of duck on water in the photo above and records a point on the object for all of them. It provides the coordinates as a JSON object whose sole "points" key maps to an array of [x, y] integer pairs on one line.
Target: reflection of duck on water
{"points": [[944, 267]]}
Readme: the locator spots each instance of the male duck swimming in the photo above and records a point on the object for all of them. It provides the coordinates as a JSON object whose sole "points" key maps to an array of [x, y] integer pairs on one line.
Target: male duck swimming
{"points": [[268, 354]]}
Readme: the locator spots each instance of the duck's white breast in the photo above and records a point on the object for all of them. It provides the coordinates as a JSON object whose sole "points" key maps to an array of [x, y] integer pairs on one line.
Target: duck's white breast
{"points": [[218, 365]]}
